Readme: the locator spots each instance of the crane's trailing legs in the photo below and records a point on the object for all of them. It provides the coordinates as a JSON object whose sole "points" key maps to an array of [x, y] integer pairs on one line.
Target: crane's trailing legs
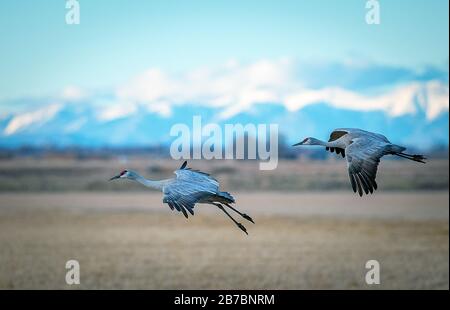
{"points": [[247, 217], [418, 158], [242, 227]]}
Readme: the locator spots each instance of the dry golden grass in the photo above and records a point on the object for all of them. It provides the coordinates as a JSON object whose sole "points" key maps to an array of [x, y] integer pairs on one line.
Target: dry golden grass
{"points": [[130, 240]]}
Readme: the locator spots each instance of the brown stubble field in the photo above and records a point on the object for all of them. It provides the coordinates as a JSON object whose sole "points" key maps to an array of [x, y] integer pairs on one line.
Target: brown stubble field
{"points": [[71, 174], [313, 238]]}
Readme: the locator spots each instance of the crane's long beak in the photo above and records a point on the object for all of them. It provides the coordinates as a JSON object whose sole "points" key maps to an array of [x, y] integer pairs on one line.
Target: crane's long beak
{"points": [[115, 177], [300, 143]]}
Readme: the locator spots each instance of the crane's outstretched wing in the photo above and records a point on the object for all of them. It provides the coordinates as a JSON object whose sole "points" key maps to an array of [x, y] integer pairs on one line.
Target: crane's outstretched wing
{"points": [[182, 197], [336, 134], [188, 188], [196, 176], [363, 157]]}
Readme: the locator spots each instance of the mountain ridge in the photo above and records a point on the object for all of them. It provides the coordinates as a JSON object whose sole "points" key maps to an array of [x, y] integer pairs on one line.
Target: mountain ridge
{"points": [[78, 124]]}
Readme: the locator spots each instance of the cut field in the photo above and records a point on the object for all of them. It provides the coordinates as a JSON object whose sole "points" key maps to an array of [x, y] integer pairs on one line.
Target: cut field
{"points": [[299, 241]]}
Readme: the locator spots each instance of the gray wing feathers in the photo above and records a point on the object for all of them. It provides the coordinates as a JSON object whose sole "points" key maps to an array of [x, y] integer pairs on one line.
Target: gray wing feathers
{"points": [[357, 133], [363, 157], [190, 175], [189, 187], [182, 198]]}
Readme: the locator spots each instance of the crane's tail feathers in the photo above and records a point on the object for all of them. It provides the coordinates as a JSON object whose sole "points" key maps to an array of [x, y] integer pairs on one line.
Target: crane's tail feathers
{"points": [[418, 158], [225, 197]]}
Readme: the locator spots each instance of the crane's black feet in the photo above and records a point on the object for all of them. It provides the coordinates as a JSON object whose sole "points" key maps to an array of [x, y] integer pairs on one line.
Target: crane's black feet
{"points": [[242, 227], [248, 218], [419, 158]]}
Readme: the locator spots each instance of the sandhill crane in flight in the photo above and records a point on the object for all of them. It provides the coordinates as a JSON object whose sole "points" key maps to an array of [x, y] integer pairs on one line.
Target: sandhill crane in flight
{"points": [[364, 150], [188, 188]]}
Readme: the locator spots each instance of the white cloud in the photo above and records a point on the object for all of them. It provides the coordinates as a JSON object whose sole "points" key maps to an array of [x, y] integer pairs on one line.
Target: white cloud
{"points": [[39, 116], [115, 110], [149, 86], [431, 96], [232, 86], [162, 108], [72, 92], [436, 100], [235, 87]]}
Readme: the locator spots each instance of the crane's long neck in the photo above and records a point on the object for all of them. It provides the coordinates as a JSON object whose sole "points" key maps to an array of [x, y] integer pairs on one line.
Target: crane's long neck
{"points": [[150, 183], [315, 141]]}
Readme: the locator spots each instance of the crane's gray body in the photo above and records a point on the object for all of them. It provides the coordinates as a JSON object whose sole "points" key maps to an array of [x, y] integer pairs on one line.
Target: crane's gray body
{"points": [[188, 188], [363, 150], [191, 187]]}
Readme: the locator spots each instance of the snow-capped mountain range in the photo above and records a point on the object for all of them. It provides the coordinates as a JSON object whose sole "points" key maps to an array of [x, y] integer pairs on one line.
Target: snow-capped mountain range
{"points": [[410, 109], [82, 124]]}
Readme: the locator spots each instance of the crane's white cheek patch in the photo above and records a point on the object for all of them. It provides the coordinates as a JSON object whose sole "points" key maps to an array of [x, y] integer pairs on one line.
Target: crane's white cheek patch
{"points": [[226, 141]]}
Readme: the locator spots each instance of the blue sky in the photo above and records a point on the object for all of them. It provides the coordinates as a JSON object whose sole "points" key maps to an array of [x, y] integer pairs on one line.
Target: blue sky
{"points": [[40, 54]]}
